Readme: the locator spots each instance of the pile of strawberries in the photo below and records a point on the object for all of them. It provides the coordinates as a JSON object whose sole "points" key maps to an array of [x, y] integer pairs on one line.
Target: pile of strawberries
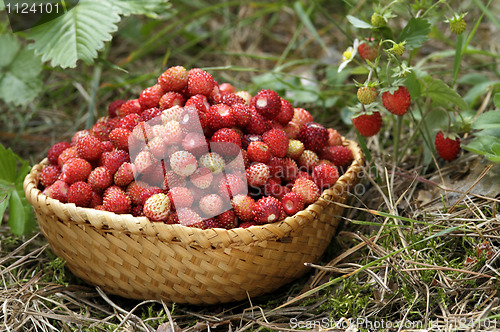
{"points": [[193, 152]]}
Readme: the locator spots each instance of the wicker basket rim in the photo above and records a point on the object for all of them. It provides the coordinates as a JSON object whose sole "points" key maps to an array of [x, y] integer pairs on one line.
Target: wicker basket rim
{"points": [[214, 237]]}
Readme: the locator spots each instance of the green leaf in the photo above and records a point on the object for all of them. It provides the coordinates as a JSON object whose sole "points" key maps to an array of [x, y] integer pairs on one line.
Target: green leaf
{"points": [[304, 17], [482, 145], [478, 90], [488, 120], [4, 200], [359, 23], [442, 94], [415, 33], [21, 219], [413, 85], [9, 46], [496, 100], [149, 8], [2, 5], [76, 35]]}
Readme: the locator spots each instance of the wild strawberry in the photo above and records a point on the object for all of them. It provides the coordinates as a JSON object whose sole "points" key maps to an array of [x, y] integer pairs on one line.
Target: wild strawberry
{"points": [[397, 102], [308, 160], [157, 207], [173, 134], [80, 193], [151, 96], [183, 163], [100, 178], [257, 174], [79, 134], [174, 79], [378, 20], [49, 175], [220, 116], [292, 203], [339, 155], [367, 51], [286, 112], [242, 114], [258, 123], [210, 223], [226, 88], [116, 200], [292, 130], [267, 210], [457, 24], [199, 102], [274, 188], [368, 124], [307, 189], [188, 217], [325, 175], [267, 102], [231, 185], [171, 114], [134, 190], [129, 121], [195, 143], [146, 193], [150, 113], [290, 169], [119, 138], [294, 149], [447, 147], [243, 206], [304, 175], [366, 94], [277, 141], [226, 142], [249, 138], [228, 99], [101, 130], [171, 99], [157, 147], [125, 174], [114, 106], [74, 170], [143, 161], [245, 95], [89, 147], [301, 117], [227, 219], [211, 205], [113, 160], [200, 82], [106, 146], [201, 178], [213, 161], [259, 152], [334, 138], [58, 190], [137, 211], [189, 120], [95, 199], [180, 197], [314, 136], [130, 107], [55, 150]]}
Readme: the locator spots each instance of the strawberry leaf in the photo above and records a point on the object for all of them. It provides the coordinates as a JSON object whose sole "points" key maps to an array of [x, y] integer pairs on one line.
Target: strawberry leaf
{"points": [[496, 100], [78, 34], [488, 120], [415, 33], [442, 94], [359, 23]]}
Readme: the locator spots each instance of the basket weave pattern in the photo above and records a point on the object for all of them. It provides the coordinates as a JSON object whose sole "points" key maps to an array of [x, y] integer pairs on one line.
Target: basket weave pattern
{"points": [[135, 258]]}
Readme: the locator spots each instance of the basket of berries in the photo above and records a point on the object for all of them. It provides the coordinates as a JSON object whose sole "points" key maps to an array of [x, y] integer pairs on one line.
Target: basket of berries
{"points": [[194, 192]]}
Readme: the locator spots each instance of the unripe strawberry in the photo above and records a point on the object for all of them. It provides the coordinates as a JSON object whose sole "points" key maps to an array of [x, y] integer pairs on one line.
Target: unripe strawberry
{"points": [[366, 94], [157, 207]]}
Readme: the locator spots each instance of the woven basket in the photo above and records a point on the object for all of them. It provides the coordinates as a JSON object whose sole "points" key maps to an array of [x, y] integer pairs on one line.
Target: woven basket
{"points": [[135, 258]]}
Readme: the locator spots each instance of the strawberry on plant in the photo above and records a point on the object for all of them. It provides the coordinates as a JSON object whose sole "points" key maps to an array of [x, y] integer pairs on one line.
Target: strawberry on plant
{"points": [[397, 101], [447, 146], [457, 23], [366, 94], [367, 51], [368, 124]]}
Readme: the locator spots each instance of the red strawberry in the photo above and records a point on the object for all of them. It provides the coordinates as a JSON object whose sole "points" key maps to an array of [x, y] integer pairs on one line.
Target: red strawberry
{"points": [[307, 189], [275, 189], [200, 82], [447, 147], [227, 219], [368, 124], [367, 51], [145, 193], [257, 174], [307, 160], [100, 178], [129, 107], [292, 203], [258, 124], [55, 150], [106, 146], [58, 190], [276, 166], [366, 94], [201, 178], [157, 207], [301, 117], [220, 116], [96, 199], [150, 113], [242, 114], [211, 205], [397, 102], [174, 79], [119, 138], [115, 200], [267, 210], [129, 121], [134, 190], [259, 152], [314, 136], [113, 160], [101, 130], [79, 134], [199, 102], [304, 175], [292, 130], [325, 175], [247, 224], [277, 141], [74, 170], [334, 138], [180, 197], [80, 193], [210, 223], [231, 185], [49, 175], [151, 96], [190, 120], [195, 143], [226, 88], [114, 106], [286, 112], [143, 161], [172, 113], [188, 217], [137, 211], [89, 147], [339, 155], [267, 102], [171, 99], [249, 138], [228, 99], [290, 169], [226, 142], [125, 174], [243, 206]]}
